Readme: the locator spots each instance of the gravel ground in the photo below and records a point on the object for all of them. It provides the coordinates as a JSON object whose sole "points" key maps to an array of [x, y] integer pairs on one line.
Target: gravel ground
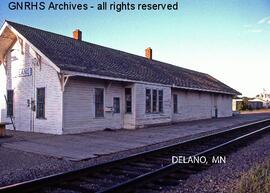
{"points": [[16, 166], [222, 178]]}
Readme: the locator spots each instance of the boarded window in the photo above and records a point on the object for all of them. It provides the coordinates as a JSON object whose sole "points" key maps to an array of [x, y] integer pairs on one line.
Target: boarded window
{"points": [[154, 101], [160, 100], [128, 97], [175, 104], [116, 105], [10, 94], [148, 101], [99, 102], [40, 103]]}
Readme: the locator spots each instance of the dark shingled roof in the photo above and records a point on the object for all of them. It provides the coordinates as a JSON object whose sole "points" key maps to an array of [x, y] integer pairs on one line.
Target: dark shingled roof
{"points": [[79, 56]]}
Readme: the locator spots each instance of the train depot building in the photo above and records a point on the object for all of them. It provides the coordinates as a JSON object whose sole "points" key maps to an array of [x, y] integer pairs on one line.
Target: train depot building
{"points": [[57, 84]]}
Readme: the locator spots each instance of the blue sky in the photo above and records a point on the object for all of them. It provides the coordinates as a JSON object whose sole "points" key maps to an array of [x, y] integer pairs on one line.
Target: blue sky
{"points": [[229, 39]]}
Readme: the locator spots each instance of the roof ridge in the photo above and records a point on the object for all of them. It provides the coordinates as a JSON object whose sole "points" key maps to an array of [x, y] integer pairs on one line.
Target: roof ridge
{"points": [[85, 42], [68, 53]]}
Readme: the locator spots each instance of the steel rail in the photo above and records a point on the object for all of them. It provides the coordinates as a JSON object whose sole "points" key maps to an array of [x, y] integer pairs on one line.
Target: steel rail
{"points": [[58, 178], [164, 170]]}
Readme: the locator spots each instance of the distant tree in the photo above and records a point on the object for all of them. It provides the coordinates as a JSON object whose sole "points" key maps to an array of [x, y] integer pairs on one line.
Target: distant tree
{"points": [[245, 105], [239, 106]]}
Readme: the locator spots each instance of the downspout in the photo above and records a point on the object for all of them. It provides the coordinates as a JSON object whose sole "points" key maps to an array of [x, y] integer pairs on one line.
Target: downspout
{"points": [[62, 89], [33, 106]]}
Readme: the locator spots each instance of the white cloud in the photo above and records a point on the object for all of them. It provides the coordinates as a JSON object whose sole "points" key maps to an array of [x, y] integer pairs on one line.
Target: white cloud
{"points": [[247, 26], [259, 26], [264, 20], [255, 30]]}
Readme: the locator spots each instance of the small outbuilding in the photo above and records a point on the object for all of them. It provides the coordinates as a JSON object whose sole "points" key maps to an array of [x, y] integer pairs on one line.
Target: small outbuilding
{"points": [[255, 104], [57, 84]]}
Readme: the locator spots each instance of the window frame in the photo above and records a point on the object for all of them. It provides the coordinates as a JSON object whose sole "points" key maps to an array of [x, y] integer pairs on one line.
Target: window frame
{"points": [[160, 101], [175, 103], [154, 105], [99, 104], [115, 104], [154, 101], [148, 100], [128, 108], [10, 104], [40, 115]]}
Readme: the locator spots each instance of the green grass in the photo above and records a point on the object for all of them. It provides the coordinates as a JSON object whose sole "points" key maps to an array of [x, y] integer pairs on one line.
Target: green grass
{"points": [[257, 180]]}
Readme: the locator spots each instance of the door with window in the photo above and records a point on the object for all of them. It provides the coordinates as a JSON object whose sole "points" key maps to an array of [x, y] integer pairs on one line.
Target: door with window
{"points": [[129, 120], [22, 113], [214, 107]]}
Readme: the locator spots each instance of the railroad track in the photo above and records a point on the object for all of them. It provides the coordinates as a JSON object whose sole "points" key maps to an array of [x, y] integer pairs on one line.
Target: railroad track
{"points": [[148, 171]]}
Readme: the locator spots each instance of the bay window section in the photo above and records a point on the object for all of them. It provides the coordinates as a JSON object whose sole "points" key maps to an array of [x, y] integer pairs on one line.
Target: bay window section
{"points": [[153, 101]]}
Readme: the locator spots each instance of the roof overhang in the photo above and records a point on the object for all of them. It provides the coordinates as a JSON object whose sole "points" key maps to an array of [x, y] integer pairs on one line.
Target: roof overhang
{"points": [[73, 73], [14, 34], [7, 39]]}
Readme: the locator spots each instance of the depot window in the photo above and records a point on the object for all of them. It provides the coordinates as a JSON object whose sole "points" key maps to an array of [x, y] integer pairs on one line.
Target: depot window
{"points": [[40, 103], [116, 105], [175, 103], [99, 102], [153, 101], [128, 98], [148, 101], [160, 100], [10, 94]]}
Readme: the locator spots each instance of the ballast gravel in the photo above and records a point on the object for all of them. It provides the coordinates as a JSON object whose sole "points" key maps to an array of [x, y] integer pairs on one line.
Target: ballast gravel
{"points": [[17, 166], [223, 178]]}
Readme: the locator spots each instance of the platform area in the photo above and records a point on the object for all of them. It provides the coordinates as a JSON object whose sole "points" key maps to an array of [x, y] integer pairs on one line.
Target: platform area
{"points": [[77, 147]]}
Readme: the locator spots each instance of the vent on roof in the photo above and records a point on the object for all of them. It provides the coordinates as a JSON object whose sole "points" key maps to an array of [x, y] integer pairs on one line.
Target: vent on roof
{"points": [[77, 34], [148, 53]]}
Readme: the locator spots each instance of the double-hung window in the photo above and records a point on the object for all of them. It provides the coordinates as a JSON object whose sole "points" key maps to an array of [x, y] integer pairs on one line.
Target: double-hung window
{"points": [[153, 101], [128, 97], [148, 101], [99, 102], [116, 105], [160, 100], [40, 114], [175, 103], [10, 94]]}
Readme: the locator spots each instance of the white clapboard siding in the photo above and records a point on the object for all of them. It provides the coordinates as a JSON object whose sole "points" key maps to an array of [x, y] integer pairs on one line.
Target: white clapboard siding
{"points": [[224, 104], [79, 105], [25, 89], [2, 93], [194, 105]]}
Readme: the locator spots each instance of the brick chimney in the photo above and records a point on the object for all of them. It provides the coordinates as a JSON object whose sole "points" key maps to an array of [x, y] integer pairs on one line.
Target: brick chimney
{"points": [[77, 35], [148, 53]]}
